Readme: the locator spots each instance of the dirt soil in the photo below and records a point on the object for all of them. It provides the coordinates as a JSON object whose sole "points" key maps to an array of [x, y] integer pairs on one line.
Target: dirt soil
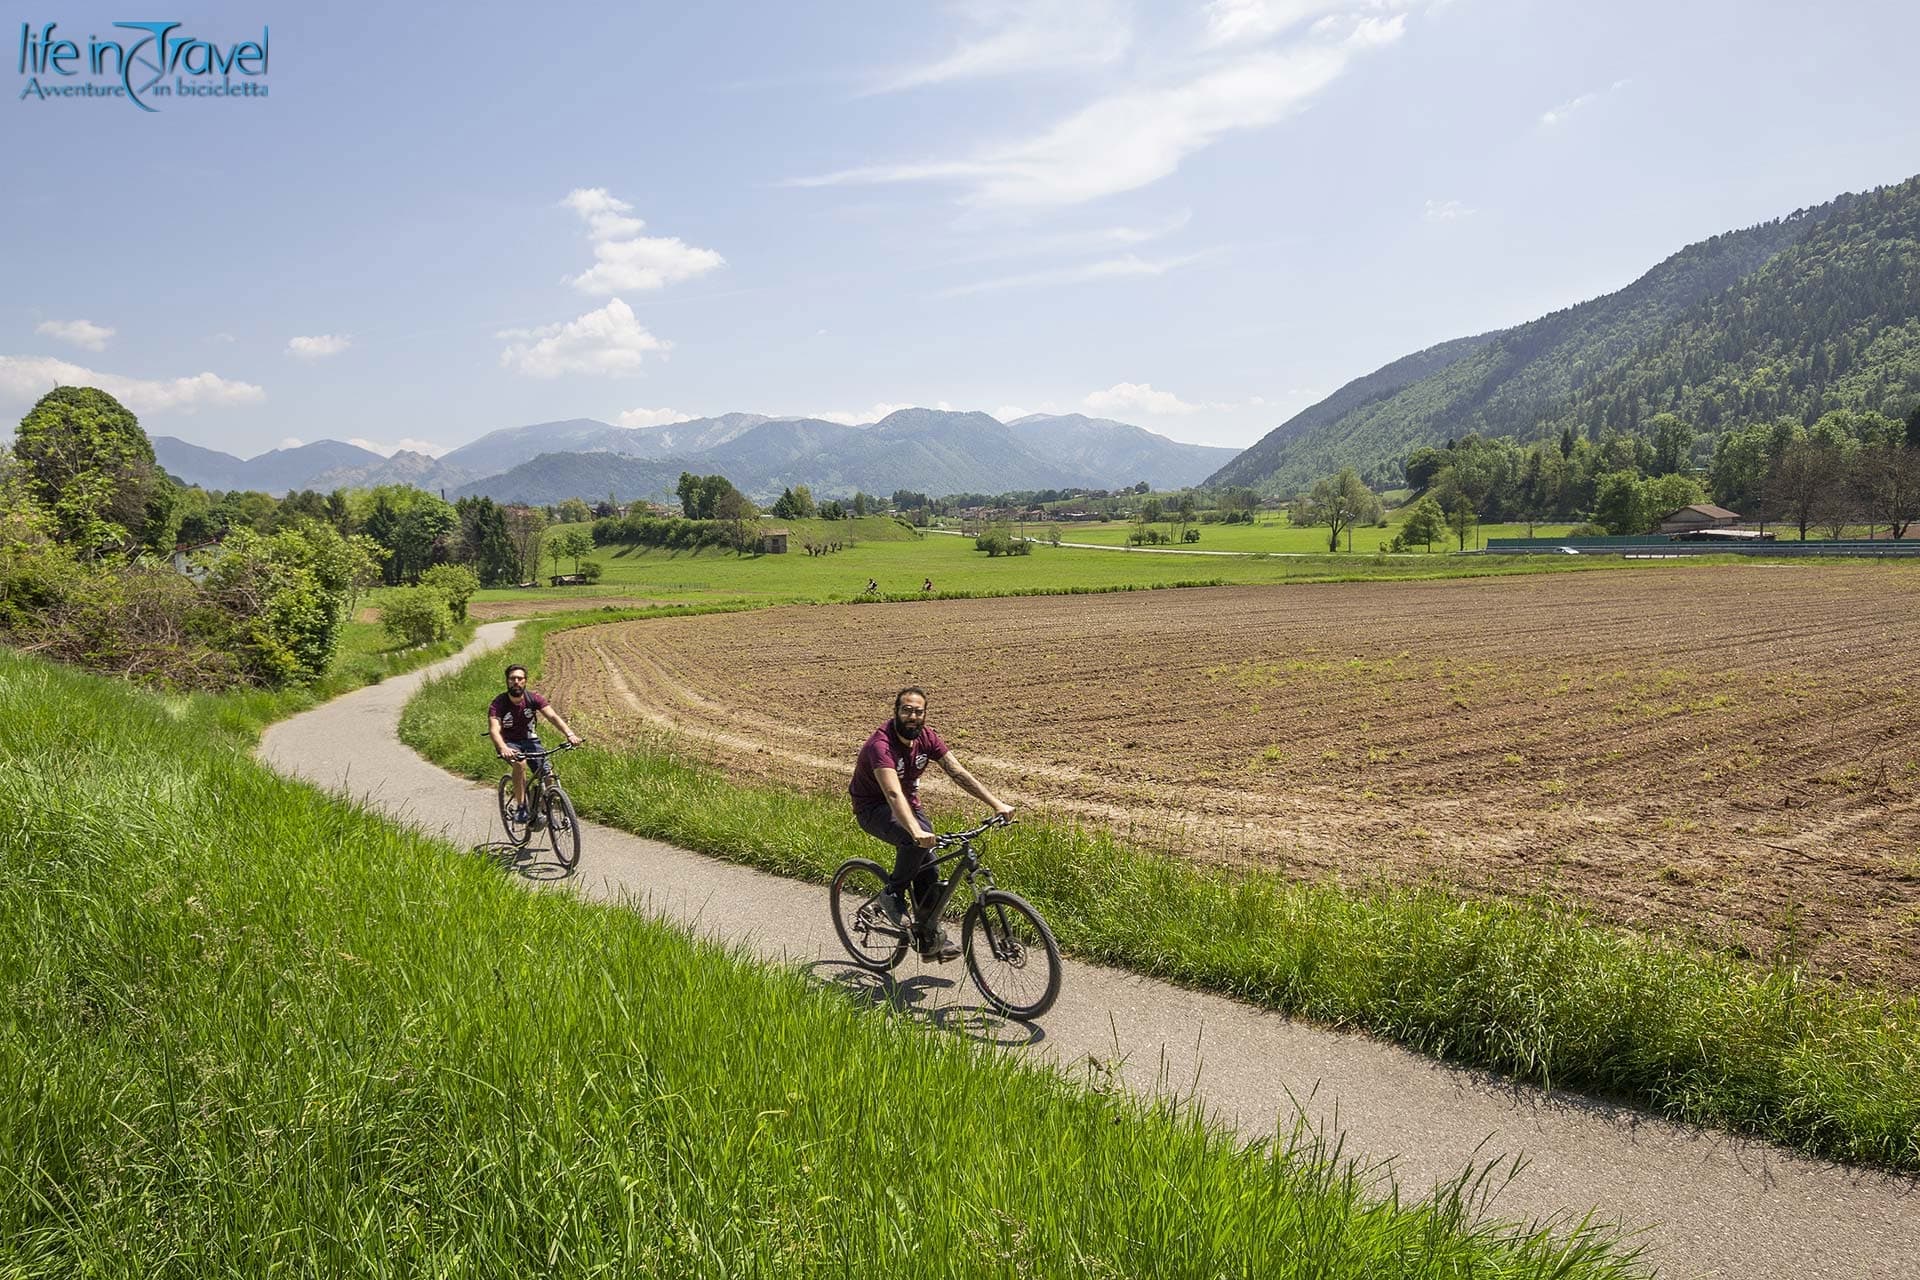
{"points": [[534, 607], [1729, 754]]}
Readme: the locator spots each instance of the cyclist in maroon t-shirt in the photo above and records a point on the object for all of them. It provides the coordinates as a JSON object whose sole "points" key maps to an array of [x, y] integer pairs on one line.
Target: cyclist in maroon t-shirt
{"points": [[886, 803], [513, 722]]}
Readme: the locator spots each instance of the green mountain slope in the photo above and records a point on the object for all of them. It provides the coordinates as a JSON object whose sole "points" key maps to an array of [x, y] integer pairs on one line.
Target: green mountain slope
{"points": [[1723, 308]]}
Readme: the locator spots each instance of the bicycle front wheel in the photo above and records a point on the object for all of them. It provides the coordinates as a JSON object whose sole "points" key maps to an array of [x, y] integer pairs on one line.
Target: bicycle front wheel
{"points": [[1011, 954], [516, 831], [563, 827], [870, 938]]}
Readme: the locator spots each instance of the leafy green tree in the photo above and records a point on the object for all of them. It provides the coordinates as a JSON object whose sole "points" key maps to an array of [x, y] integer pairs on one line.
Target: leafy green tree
{"points": [[1339, 502], [1806, 482], [484, 543], [1663, 495], [1426, 522], [573, 511], [1672, 444], [862, 503], [1913, 429], [1888, 479], [454, 581], [737, 511], [526, 529], [1619, 503], [89, 465], [575, 545], [417, 615], [1462, 519]]}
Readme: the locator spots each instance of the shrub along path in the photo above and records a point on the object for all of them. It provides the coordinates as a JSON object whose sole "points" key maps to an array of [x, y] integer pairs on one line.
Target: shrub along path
{"points": [[1712, 1204]]}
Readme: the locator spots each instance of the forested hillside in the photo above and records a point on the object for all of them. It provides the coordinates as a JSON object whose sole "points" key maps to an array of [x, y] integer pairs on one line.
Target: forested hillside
{"points": [[1809, 313]]}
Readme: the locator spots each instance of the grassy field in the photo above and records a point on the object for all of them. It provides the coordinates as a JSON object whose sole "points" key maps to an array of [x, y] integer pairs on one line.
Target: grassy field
{"points": [[1273, 535], [247, 1029], [900, 566], [1538, 993]]}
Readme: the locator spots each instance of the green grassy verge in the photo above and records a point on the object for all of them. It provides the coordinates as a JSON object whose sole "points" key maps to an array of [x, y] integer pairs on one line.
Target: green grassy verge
{"points": [[247, 1029], [1528, 990], [1275, 536]]}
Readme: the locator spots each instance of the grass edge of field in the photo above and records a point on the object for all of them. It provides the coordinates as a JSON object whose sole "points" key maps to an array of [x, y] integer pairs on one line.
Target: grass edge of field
{"points": [[1525, 988], [308, 1031]]}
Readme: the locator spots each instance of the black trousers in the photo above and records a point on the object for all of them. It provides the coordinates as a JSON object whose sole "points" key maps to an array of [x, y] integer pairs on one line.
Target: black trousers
{"points": [[912, 865]]}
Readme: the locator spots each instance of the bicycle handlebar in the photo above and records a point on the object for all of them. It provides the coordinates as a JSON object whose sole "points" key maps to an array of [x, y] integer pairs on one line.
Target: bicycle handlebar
{"points": [[541, 755], [961, 837]]}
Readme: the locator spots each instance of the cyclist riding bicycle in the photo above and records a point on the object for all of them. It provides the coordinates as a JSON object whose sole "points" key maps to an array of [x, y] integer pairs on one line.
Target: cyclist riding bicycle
{"points": [[886, 803], [513, 722]]}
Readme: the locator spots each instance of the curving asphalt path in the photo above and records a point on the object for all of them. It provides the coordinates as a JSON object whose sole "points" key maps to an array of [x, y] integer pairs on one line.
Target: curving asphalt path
{"points": [[1704, 1204]]}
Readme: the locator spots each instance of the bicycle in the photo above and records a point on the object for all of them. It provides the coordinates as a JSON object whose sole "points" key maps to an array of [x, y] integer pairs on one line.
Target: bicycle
{"points": [[1004, 940], [548, 806]]}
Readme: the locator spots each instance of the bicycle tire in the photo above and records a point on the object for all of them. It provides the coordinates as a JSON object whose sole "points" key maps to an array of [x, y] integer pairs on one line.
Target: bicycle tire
{"points": [[1002, 938], [563, 826], [868, 936], [517, 832]]}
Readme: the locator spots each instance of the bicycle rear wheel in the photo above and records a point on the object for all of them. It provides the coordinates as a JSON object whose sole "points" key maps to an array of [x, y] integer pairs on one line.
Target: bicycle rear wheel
{"points": [[516, 831], [870, 938], [1011, 954], [563, 828]]}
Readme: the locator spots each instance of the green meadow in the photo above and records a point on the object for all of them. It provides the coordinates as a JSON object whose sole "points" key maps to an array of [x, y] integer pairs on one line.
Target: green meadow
{"points": [[248, 1029]]}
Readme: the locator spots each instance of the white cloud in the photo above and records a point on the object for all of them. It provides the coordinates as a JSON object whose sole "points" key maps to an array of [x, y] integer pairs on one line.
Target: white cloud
{"points": [[653, 417], [1126, 267], [1560, 114], [1131, 139], [872, 414], [1140, 397], [1032, 36], [81, 333], [623, 259], [24, 379], [290, 442], [1447, 210], [319, 345], [1008, 412], [408, 443], [610, 342]]}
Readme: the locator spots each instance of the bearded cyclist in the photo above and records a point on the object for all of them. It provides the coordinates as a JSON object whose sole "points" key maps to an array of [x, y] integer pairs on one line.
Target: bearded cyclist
{"points": [[886, 803], [513, 722]]}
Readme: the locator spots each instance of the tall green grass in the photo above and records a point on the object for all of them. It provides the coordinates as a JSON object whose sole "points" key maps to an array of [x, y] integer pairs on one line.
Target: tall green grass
{"points": [[249, 1030], [1538, 993]]}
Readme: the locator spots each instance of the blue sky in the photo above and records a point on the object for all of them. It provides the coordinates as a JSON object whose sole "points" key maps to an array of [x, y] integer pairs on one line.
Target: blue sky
{"points": [[1197, 218]]}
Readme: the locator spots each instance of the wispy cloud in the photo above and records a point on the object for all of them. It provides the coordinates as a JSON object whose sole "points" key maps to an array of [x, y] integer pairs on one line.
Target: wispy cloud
{"points": [[1133, 138], [1560, 114], [1040, 35], [623, 258], [652, 417], [610, 342], [873, 413], [1128, 266], [1447, 211], [81, 333], [319, 346], [1143, 397], [24, 379]]}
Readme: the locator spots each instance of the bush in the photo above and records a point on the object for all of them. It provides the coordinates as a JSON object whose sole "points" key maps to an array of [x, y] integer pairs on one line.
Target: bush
{"points": [[417, 615], [456, 582], [591, 570], [1587, 531]]}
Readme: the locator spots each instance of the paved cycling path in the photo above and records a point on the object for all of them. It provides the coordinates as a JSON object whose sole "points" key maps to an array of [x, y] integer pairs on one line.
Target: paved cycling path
{"points": [[1711, 1205]]}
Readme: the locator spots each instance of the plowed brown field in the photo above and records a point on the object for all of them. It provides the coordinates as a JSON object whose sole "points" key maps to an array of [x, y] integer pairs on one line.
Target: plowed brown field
{"points": [[1729, 754]]}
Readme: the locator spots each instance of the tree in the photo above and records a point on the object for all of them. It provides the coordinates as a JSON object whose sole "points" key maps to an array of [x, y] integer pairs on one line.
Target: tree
{"points": [[1888, 478], [1185, 513], [526, 528], [1150, 511], [90, 466], [1806, 481], [1663, 494], [861, 503], [1672, 444], [417, 615], [795, 504], [1619, 503], [484, 542], [575, 545], [1425, 522], [738, 511], [573, 511], [454, 581], [1913, 428], [1339, 501], [1462, 519]]}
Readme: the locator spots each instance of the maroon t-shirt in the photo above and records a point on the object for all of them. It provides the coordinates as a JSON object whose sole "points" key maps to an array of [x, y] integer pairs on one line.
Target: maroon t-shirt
{"points": [[517, 724], [886, 749]]}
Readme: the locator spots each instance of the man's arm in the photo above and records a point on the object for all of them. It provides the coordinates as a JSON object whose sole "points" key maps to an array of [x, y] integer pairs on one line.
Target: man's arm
{"points": [[554, 716], [889, 780], [971, 785]]}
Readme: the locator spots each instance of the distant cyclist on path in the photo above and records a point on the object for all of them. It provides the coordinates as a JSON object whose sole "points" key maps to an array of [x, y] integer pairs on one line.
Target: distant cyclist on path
{"points": [[886, 803], [513, 723]]}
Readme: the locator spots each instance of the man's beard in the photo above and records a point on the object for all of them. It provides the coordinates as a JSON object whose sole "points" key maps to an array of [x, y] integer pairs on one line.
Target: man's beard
{"points": [[909, 732]]}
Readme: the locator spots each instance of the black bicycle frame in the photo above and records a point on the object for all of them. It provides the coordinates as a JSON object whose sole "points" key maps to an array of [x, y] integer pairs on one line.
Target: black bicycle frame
{"points": [[966, 866]]}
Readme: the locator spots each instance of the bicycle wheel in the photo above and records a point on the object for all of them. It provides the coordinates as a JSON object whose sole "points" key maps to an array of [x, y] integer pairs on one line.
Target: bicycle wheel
{"points": [[563, 828], [1011, 954], [870, 938], [516, 831]]}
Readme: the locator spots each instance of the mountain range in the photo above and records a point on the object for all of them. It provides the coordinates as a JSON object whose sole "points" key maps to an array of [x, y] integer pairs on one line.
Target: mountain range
{"points": [[1815, 311], [927, 450]]}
